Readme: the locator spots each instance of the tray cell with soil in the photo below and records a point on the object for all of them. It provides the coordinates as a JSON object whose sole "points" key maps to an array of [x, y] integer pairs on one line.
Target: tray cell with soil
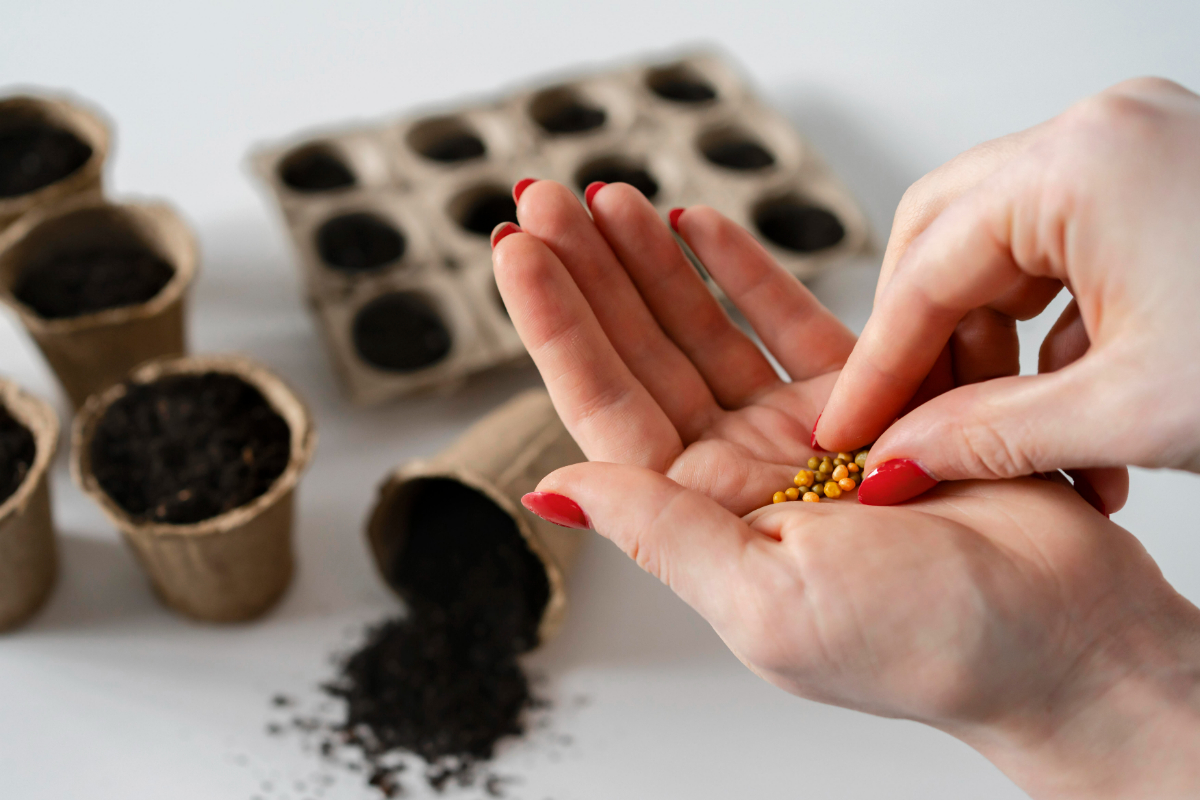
{"points": [[51, 148], [684, 130], [100, 286], [28, 557], [196, 460]]}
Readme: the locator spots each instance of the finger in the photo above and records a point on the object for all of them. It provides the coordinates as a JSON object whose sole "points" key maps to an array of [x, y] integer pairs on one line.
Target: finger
{"points": [[963, 261], [681, 537], [608, 412], [1066, 342], [730, 363], [985, 346], [803, 335], [1106, 488], [552, 213]]}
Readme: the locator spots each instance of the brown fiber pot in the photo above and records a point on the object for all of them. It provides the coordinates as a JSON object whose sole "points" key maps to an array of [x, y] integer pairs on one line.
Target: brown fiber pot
{"points": [[231, 567], [91, 352], [28, 555], [74, 116], [502, 456]]}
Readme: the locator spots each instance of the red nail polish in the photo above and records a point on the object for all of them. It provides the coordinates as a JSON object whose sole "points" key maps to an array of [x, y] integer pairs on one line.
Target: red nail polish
{"points": [[1083, 487], [556, 508], [502, 230], [674, 215], [591, 190], [894, 482], [814, 443], [520, 188]]}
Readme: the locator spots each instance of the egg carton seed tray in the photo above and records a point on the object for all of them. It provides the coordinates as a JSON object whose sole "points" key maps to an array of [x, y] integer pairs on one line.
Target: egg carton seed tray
{"points": [[685, 130]]}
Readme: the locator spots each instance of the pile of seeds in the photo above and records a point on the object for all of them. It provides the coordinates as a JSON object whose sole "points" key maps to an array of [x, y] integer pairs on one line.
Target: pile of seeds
{"points": [[825, 477], [17, 452]]}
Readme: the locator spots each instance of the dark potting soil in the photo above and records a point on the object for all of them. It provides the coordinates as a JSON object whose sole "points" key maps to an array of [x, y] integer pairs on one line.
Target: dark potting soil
{"points": [[617, 172], [739, 154], [17, 453], [88, 281], [34, 155], [400, 332], [444, 682], [573, 117], [358, 242], [315, 169], [455, 147], [487, 211], [797, 226], [186, 448]]}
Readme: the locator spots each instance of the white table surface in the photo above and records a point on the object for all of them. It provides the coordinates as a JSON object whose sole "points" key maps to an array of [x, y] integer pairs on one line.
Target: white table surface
{"points": [[107, 695]]}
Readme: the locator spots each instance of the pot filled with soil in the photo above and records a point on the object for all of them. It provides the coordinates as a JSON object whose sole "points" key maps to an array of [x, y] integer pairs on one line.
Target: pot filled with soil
{"points": [[99, 286], [459, 514], [28, 559], [50, 149], [196, 461]]}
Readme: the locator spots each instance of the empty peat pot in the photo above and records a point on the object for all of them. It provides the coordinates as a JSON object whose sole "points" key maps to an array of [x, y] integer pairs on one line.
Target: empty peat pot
{"points": [[50, 149], [461, 511], [798, 225], [28, 556], [315, 168], [99, 286], [196, 461], [680, 83]]}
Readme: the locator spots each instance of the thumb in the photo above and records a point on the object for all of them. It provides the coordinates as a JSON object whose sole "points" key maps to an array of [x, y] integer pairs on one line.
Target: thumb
{"points": [[683, 538], [1001, 428]]}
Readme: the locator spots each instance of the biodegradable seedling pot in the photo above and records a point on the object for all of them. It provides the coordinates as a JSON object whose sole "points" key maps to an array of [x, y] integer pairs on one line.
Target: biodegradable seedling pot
{"points": [[88, 128], [502, 457], [94, 350], [28, 556], [230, 567]]}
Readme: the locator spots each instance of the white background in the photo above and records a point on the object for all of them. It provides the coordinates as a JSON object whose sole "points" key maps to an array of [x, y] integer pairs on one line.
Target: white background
{"points": [[107, 695]]}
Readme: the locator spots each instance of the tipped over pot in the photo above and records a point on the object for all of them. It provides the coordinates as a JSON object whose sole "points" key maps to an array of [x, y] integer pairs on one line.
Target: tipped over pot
{"points": [[100, 286], [196, 461], [28, 556]]}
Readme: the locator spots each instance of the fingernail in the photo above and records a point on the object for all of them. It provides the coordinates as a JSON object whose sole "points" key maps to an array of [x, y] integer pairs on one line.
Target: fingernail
{"points": [[591, 190], [556, 508], [502, 230], [520, 188], [1088, 492], [814, 443], [894, 482], [674, 214]]}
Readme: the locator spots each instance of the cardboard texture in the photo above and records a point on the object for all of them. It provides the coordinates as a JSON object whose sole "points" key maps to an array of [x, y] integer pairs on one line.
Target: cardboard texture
{"points": [[503, 456], [28, 553], [88, 353], [231, 567], [69, 114], [441, 180]]}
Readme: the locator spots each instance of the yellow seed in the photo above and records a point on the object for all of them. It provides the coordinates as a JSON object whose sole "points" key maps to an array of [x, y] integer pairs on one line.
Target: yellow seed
{"points": [[845, 457], [847, 484], [812, 497], [803, 478], [853, 468], [814, 462], [832, 490], [860, 458], [778, 497], [792, 493], [840, 472]]}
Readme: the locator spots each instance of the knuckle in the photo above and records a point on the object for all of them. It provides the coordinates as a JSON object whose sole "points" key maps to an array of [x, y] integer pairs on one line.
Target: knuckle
{"points": [[987, 452]]}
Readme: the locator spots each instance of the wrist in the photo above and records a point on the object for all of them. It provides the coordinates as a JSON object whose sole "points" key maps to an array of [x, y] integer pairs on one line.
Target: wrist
{"points": [[1123, 723]]}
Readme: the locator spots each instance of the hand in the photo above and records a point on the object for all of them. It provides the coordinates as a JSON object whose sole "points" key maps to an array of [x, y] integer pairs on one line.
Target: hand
{"points": [[1103, 200], [1009, 614]]}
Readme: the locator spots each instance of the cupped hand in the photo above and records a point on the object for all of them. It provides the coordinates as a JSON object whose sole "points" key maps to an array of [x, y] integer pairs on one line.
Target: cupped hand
{"points": [[1102, 200], [1007, 613]]}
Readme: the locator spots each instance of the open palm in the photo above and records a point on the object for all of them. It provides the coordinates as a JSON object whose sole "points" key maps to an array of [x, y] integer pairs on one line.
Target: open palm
{"points": [[979, 599]]}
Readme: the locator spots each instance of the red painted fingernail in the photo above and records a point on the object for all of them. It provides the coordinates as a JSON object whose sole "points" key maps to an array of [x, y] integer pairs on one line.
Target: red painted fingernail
{"points": [[521, 186], [814, 443], [591, 190], [1088, 492], [502, 230], [894, 482], [556, 508], [674, 214]]}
